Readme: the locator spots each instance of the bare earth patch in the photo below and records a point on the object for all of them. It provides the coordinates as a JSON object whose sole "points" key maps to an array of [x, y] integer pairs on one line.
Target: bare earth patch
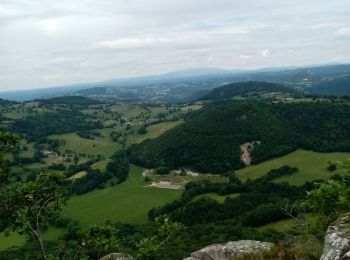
{"points": [[165, 185], [246, 149], [78, 175]]}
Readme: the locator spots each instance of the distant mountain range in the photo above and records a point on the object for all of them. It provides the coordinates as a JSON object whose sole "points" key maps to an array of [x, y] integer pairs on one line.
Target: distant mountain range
{"points": [[188, 85]]}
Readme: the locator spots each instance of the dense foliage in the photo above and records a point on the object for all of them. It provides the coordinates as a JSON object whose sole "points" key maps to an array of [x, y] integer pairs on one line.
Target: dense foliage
{"points": [[258, 203], [40, 126], [333, 87], [70, 100], [92, 180], [210, 141], [249, 88], [320, 126], [118, 166]]}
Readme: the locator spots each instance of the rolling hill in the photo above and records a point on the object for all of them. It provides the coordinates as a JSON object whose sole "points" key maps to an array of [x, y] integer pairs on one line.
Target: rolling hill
{"points": [[334, 87], [210, 141], [166, 87], [248, 88], [69, 100]]}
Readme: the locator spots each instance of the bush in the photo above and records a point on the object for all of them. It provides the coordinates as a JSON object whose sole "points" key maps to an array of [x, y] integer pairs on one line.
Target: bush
{"points": [[162, 171], [332, 167]]}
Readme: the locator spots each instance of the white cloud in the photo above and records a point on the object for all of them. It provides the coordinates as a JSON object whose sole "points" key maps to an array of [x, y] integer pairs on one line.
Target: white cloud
{"points": [[246, 56], [130, 43], [265, 53], [343, 32], [89, 40]]}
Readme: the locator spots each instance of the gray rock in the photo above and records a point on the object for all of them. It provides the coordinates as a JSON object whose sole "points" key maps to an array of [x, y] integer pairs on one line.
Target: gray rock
{"points": [[116, 256], [230, 250], [337, 240]]}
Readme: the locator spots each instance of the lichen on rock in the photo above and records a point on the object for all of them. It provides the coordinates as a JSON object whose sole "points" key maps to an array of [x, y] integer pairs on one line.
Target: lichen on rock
{"points": [[230, 250], [337, 240], [116, 256]]}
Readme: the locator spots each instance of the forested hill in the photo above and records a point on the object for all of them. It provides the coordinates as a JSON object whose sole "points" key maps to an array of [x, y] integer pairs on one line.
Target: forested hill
{"points": [[70, 100], [336, 87], [246, 89], [210, 142], [5, 102]]}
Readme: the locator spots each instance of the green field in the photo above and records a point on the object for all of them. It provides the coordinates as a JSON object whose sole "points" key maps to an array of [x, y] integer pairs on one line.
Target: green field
{"points": [[312, 165], [100, 145], [215, 196], [128, 202], [287, 224], [153, 131], [128, 110], [280, 226], [15, 239]]}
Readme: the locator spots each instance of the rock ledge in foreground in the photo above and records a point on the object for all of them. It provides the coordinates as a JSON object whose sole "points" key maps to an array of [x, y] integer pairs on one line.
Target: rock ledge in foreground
{"points": [[230, 250], [337, 240]]}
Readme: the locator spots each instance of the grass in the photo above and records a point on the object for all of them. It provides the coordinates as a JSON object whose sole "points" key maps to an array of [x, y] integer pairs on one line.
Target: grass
{"points": [[191, 107], [14, 239], [128, 111], [215, 196], [100, 145], [280, 226], [286, 224], [312, 165], [101, 165], [155, 130], [128, 202], [29, 152], [182, 180]]}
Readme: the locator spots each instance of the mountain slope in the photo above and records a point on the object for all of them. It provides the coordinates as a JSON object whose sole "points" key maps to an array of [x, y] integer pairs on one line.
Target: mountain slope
{"points": [[211, 140], [334, 87], [246, 89], [70, 100]]}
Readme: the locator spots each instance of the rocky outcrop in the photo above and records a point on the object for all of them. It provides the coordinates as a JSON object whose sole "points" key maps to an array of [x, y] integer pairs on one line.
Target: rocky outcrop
{"points": [[230, 250], [116, 256], [337, 240]]}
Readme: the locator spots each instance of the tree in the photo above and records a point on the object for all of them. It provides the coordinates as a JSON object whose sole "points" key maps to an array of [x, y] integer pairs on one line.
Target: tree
{"points": [[7, 144], [329, 200], [148, 247], [108, 238], [27, 207], [142, 130], [76, 158], [332, 167]]}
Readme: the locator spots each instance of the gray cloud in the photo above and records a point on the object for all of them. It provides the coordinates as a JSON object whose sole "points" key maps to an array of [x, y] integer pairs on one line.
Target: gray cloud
{"points": [[50, 42]]}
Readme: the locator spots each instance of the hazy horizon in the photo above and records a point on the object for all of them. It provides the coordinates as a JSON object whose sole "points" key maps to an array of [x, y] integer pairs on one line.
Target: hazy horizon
{"points": [[45, 43]]}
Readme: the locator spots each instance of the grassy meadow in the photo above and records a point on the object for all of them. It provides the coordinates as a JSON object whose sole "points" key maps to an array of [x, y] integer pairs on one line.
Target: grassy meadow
{"points": [[217, 197], [128, 202], [100, 145], [155, 130], [311, 165]]}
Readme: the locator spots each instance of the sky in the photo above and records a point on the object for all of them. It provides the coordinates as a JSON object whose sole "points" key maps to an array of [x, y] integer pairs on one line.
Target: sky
{"points": [[51, 43]]}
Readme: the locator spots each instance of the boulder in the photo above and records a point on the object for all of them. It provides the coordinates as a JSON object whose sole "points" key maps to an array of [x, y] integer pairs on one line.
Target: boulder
{"points": [[230, 250], [116, 256], [337, 240]]}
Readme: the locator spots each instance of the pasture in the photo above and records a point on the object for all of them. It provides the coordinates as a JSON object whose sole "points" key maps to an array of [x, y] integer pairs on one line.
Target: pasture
{"points": [[215, 196], [100, 145], [311, 165], [128, 202]]}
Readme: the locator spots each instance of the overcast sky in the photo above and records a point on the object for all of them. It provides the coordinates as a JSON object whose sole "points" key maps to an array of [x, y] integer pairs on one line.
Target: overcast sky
{"points": [[56, 42]]}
